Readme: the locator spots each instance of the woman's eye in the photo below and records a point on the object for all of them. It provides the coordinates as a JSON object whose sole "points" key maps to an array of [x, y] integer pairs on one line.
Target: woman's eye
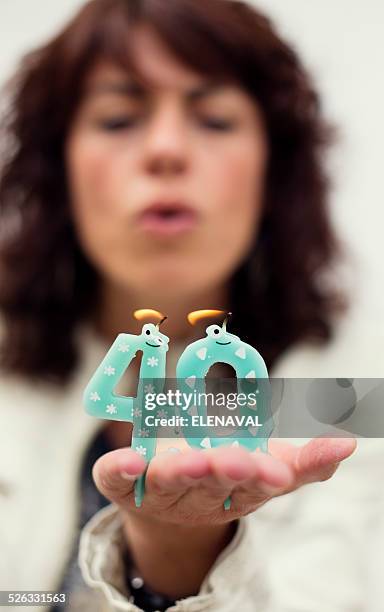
{"points": [[215, 123], [116, 124]]}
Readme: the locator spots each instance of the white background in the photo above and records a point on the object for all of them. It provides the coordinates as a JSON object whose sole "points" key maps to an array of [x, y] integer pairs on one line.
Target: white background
{"points": [[343, 45]]}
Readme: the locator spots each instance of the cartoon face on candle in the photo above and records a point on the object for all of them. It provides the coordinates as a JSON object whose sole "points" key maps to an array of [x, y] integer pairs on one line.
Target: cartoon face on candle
{"points": [[152, 337], [218, 334]]}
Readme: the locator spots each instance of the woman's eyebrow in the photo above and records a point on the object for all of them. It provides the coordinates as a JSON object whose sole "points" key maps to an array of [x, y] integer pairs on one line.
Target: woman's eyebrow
{"points": [[125, 88], [209, 88], [135, 90]]}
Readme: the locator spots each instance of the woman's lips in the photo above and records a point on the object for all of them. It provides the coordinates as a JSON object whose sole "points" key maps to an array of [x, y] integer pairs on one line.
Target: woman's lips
{"points": [[167, 219]]}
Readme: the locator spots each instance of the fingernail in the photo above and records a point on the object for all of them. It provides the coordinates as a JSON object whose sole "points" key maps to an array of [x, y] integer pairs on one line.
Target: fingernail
{"points": [[345, 444], [270, 489], [127, 476]]}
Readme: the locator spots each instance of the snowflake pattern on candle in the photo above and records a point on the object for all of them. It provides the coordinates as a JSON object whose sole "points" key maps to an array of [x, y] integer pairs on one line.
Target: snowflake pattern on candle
{"points": [[109, 370], [111, 409], [152, 362], [162, 414], [123, 348], [141, 450]]}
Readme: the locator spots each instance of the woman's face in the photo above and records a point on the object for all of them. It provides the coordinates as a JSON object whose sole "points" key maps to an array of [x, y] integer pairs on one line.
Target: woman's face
{"points": [[166, 179]]}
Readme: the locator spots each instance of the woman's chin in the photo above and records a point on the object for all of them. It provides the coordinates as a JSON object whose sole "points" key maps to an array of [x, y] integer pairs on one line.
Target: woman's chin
{"points": [[171, 286]]}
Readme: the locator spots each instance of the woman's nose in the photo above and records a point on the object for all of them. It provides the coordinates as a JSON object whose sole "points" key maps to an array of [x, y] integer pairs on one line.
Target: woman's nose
{"points": [[166, 146]]}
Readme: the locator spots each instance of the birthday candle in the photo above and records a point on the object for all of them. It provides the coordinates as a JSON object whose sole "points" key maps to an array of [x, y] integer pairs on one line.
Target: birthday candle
{"points": [[220, 346], [101, 401]]}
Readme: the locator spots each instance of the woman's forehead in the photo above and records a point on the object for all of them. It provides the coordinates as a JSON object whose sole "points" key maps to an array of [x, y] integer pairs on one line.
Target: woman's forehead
{"points": [[106, 74], [107, 77], [151, 62]]}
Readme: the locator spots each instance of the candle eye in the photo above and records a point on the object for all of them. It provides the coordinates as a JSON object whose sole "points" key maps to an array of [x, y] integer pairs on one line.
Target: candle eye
{"points": [[214, 331], [148, 329]]}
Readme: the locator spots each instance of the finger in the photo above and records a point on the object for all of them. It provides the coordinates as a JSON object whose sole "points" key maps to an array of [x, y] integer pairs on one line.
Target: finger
{"points": [[272, 474], [257, 475], [115, 473], [205, 478], [174, 473], [235, 465], [270, 477], [229, 466], [317, 460]]}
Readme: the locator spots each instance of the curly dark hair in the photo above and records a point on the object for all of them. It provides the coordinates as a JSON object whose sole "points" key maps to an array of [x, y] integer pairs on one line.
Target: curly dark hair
{"points": [[282, 293]]}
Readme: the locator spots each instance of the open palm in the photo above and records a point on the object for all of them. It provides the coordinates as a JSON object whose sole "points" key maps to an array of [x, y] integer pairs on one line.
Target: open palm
{"points": [[190, 487]]}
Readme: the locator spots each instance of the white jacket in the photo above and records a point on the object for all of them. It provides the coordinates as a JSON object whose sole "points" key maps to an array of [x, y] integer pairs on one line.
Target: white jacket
{"points": [[304, 552]]}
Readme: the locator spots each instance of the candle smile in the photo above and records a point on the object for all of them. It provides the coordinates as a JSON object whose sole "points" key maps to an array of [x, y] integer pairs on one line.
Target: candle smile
{"points": [[222, 343], [154, 345]]}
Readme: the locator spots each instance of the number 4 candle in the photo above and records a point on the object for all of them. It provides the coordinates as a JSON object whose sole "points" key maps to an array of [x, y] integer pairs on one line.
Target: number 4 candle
{"points": [[100, 399]]}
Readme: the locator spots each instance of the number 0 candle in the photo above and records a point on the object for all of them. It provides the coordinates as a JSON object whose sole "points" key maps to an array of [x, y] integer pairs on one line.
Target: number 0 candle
{"points": [[220, 346]]}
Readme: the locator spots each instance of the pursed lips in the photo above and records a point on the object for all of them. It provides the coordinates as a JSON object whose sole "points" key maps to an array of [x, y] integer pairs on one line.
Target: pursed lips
{"points": [[167, 219]]}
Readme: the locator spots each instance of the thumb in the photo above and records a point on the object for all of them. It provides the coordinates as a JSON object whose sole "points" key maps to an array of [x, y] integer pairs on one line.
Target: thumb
{"points": [[115, 473]]}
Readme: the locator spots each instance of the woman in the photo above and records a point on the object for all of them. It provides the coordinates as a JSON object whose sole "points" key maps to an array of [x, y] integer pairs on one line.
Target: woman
{"points": [[166, 155]]}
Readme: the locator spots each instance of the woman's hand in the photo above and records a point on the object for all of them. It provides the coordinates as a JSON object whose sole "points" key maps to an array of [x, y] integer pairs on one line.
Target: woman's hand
{"points": [[182, 512]]}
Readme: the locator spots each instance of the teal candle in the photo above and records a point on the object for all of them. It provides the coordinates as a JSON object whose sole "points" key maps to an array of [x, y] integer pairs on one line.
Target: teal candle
{"points": [[101, 401], [220, 346]]}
